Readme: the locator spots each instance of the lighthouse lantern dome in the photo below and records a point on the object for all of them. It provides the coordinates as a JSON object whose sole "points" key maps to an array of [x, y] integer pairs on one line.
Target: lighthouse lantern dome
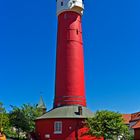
{"points": [[70, 5]]}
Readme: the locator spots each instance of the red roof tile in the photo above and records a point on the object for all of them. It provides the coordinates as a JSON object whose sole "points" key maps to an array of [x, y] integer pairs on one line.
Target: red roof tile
{"points": [[137, 125], [135, 116], [127, 118]]}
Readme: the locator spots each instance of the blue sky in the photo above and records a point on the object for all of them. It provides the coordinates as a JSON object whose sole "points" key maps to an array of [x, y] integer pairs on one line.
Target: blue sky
{"points": [[111, 34]]}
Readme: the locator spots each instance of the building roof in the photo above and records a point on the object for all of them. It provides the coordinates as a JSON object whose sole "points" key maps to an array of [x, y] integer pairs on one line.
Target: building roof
{"points": [[137, 125], [41, 104], [67, 112], [135, 116], [132, 119], [127, 118]]}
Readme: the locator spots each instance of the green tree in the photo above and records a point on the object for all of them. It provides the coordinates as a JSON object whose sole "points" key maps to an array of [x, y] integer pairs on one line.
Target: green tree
{"points": [[22, 118], [17, 120], [4, 119], [31, 112], [2, 111], [107, 124], [4, 122]]}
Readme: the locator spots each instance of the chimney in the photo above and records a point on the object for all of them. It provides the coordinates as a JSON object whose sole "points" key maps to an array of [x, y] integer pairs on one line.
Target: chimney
{"points": [[80, 110]]}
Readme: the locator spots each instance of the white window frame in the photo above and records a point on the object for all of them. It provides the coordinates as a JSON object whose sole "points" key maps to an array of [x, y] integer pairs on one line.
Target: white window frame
{"points": [[57, 127]]}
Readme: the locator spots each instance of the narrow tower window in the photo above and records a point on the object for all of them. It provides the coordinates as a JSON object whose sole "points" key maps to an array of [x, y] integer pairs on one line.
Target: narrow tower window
{"points": [[62, 3], [58, 127], [77, 31]]}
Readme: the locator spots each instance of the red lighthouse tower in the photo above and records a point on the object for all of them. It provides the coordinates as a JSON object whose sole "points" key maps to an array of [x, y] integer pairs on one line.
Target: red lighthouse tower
{"points": [[66, 120], [70, 66]]}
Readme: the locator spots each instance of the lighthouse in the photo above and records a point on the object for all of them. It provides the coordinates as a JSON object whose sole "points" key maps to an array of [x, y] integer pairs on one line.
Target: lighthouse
{"points": [[69, 88], [65, 121]]}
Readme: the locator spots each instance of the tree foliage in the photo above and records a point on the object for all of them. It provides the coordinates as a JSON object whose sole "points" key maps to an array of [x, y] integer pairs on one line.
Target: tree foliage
{"points": [[17, 120], [4, 118], [2, 112], [107, 124], [22, 118], [30, 114]]}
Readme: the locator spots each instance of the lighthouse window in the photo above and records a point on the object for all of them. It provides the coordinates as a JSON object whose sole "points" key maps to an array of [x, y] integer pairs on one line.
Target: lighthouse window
{"points": [[61, 3], [58, 127], [77, 31]]}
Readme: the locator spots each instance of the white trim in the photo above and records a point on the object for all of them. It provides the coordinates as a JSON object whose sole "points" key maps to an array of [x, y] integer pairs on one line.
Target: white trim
{"points": [[58, 125], [57, 132]]}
